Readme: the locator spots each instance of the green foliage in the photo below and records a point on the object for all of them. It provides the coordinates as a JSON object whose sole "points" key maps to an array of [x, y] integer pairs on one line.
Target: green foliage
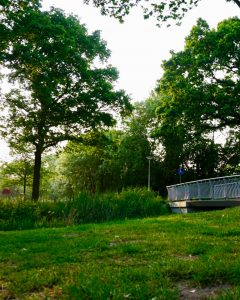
{"points": [[169, 257], [163, 11], [17, 174], [61, 92], [85, 208], [199, 94], [78, 168], [199, 88], [110, 161], [230, 155]]}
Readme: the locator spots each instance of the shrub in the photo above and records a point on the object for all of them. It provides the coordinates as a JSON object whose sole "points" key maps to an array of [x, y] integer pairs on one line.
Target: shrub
{"points": [[131, 203]]}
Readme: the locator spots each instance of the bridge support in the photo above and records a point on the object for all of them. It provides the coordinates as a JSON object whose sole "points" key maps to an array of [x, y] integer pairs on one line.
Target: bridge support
{"points": [[184, 206]]}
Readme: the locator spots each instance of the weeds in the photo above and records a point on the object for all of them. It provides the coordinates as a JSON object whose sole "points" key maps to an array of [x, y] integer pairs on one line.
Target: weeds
{"points": [[132, 203]]}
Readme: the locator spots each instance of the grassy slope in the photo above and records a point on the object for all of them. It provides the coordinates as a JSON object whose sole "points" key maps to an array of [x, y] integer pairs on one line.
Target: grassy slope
{"points": [[154, 258]]}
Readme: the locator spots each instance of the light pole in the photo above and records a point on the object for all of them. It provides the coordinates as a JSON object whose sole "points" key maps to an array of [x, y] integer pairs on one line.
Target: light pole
{"points": [[149, 171]]}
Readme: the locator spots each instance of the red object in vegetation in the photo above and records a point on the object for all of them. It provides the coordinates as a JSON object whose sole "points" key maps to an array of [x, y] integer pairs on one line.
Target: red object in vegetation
{"points": [[6, 192]]}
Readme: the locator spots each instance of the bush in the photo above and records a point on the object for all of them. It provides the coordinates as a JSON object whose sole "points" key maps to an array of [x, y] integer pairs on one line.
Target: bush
{"points": [[131, 203]]}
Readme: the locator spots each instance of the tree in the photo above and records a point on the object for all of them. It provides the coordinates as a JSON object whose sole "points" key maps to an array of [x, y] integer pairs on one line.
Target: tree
{"points": [[199, 94], [109, 160], [163, 11], [137, 144], [86, 166], [78, 167], [17, 173], [230, 155], [61, 91], [200, 87]]}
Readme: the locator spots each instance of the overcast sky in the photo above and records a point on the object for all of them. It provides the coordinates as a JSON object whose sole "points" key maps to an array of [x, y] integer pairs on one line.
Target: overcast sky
{"points": [[138, 46]]}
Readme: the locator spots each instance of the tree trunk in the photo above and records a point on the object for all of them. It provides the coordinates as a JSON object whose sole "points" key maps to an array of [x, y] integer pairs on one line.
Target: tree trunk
{"points": [[36, 174]]}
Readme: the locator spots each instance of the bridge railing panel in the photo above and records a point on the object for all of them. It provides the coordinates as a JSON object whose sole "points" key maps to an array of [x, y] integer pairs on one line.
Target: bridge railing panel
{"points": [[214, 188], [227, 190]]}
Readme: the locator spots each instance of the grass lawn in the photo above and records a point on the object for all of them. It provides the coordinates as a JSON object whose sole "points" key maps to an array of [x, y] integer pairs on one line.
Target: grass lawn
{"points": [[194, 256]]}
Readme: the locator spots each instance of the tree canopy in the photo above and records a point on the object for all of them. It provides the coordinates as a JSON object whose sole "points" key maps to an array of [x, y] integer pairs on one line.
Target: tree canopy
{"points": [[162, 11], [110, 160], [199, 98], [63, 85], [199, 93], [201, 84]]}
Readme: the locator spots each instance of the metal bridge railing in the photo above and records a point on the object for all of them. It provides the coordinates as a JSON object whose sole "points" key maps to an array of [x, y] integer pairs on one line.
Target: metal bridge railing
{"points": [[227, 190], [227, 187]]}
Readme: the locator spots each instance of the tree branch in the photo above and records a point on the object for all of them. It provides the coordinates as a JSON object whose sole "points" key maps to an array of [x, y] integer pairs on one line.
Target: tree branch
{"points": [[237, 2]]}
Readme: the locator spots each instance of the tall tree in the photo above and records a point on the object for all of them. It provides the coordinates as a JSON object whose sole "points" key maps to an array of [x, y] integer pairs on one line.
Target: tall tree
{"points": [[112, 159], [163, 11], [200, 91], [201, 84], [137, 144], [62, 91]]}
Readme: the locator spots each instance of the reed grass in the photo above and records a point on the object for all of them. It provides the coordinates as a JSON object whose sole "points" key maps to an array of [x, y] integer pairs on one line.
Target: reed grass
{"points": [[18, 214]]}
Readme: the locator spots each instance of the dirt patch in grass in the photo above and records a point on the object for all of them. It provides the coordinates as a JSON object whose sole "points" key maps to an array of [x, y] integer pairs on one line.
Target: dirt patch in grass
{"points": [[123, 242], [47, 293], [4, 292], [186, 292], [72, 235], [188, 257]]}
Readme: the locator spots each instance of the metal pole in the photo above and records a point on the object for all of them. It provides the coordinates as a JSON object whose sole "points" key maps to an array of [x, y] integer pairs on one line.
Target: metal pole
{"points": [[149, 171]]}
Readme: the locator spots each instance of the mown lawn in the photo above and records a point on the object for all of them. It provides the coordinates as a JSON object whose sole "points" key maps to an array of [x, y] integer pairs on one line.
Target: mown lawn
{"points": [[194, 256]]}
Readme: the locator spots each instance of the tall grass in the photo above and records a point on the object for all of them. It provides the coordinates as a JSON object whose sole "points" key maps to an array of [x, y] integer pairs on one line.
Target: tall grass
{"points": [[131, 203]]}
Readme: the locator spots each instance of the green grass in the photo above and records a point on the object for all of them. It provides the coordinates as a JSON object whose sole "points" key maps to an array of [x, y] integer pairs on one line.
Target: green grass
{"points": [[169, 257]]}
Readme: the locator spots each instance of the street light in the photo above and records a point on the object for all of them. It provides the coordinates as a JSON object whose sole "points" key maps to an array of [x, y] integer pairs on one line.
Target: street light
{"points": [[149, 169]]}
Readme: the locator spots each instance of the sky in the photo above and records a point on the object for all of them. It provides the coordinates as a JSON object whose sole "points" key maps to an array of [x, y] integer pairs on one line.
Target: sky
{"points": [[138, 46]]}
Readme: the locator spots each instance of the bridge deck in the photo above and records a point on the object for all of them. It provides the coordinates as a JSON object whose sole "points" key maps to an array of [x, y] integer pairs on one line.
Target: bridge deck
{"points": [[186, 206]]}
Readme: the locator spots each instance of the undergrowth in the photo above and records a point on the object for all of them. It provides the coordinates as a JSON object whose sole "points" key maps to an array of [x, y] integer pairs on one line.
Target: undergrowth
{"points": [[17, 214]]}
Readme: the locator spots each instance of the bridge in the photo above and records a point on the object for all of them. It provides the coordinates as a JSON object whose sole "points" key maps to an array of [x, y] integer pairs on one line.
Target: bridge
{"points": [[213, 193]]}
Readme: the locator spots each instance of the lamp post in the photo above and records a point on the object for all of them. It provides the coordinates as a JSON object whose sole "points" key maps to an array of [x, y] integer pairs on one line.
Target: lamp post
{"points": [[149, 171]]}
